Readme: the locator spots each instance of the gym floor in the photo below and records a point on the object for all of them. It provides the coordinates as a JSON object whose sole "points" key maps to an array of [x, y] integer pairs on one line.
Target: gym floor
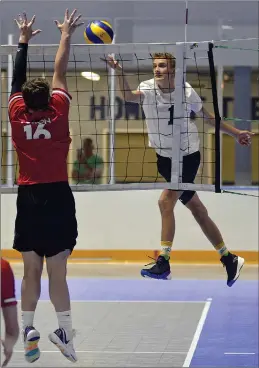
{"points": [[122, 320]]}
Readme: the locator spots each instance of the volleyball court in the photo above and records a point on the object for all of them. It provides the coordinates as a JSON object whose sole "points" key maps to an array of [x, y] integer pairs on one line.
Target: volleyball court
{"points": [[121, 320]]}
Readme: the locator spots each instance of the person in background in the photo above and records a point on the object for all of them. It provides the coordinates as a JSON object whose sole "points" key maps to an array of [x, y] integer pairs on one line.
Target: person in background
{"points": [[9, 310], [88, 167]]}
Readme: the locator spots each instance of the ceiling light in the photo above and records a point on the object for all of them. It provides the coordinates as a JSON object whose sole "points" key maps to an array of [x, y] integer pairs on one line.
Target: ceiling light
{"points": [[91, 76]]}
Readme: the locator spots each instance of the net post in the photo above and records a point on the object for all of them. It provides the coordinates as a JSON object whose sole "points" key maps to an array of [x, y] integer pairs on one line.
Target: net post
{"points": [[217, 118], [220, 81], [9, 169], [112, 126], [220, 88], [176, 168], [1, 124]]}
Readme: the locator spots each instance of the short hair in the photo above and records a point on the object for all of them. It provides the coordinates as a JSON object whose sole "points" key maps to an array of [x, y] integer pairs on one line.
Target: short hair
{"points": [[36, 94], [165, 55], [87, 141]]}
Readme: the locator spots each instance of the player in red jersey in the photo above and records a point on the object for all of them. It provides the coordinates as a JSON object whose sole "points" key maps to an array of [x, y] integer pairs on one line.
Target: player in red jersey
{"points": [[9, 310], [46, 224]]}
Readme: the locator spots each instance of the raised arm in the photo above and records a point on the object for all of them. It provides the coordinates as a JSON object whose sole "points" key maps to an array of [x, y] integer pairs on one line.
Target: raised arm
{"points": [[128, 94], [20, 65], [67, 28]]}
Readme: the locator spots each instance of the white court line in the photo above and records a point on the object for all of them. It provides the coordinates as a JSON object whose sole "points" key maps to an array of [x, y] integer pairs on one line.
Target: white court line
{"points": [[130, 301], [112, 352], [197, 334], [239, 353]]}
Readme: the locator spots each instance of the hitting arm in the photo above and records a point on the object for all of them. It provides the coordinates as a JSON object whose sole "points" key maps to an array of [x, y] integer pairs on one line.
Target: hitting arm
{"points": [[128, 94]]}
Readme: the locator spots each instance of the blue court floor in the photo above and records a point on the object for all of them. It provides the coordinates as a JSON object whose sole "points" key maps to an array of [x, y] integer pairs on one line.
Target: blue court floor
{"points": [[212, 325]]}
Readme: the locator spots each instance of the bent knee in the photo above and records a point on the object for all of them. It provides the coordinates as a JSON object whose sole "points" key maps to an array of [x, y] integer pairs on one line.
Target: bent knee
{"points": [[57, 273], [57, 265], [168, 200], [199, 212], [33, 271]]}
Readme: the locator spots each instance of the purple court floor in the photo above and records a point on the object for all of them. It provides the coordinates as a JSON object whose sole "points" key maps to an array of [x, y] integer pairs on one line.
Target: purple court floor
{"points": [[226, 337]]}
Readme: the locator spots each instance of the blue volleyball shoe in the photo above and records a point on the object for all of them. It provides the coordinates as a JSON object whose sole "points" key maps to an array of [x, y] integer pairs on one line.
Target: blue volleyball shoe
{"points": [[159, 271], [234, 265]]}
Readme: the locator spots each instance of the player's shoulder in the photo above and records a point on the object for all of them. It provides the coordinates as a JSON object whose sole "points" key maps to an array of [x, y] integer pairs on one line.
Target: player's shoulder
{"points": [[189, 90], [16, 104], [62, 94], [147, 84], [60, 101], [15, 97], [188, 85]]}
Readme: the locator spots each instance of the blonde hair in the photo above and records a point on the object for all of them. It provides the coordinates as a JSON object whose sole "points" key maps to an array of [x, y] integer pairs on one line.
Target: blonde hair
{"points": [[165, 55]]}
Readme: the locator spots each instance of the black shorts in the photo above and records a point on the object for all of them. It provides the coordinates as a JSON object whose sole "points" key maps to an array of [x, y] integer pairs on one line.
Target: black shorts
{"points": [[46, 219], [191, 165]]}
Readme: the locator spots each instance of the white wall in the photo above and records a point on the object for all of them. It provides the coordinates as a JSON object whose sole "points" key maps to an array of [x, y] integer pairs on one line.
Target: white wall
{"points": [[130, 220]]}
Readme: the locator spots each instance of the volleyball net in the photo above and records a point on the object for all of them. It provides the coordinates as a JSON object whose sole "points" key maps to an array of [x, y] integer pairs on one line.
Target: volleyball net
{"points": [[115, 131]]}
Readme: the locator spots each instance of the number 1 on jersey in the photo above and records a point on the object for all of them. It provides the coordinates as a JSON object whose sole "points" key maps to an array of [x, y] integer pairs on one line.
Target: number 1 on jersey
{"points": [[171, 109]]}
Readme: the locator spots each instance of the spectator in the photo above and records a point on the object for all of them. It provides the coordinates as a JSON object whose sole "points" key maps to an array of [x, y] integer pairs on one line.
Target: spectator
{"points": [[88, 167]]}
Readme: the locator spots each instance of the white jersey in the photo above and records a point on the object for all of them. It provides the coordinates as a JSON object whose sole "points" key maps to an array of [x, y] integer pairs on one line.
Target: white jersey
{"points": [[158, 110]]}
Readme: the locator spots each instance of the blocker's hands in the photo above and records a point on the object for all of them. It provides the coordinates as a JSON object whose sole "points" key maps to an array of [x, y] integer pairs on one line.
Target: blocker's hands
{"points": [[70, 23], [244, 137], [25, 27]]}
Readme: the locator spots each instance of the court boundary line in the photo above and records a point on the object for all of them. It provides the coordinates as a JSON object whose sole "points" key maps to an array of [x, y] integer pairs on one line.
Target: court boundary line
{"points": [[239, 353], [197, 333], [129, 301], [110, 352]]}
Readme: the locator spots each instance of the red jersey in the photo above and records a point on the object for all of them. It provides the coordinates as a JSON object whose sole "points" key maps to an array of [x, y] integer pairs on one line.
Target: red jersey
{"points": [[41, 139], [7, 285]]}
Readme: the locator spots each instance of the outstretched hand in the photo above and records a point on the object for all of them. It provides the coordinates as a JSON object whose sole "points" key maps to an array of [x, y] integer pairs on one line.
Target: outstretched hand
{"points": [[70, 23], [25, 27]]}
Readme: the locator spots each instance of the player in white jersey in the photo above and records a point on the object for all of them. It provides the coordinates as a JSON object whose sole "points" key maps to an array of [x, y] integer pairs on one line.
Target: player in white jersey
{"points": [[157, 98], [158, 107]]}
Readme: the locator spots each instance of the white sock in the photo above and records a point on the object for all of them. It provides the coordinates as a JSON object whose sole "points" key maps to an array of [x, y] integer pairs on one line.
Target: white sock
{"points": [[27, 319], [65, 322]]}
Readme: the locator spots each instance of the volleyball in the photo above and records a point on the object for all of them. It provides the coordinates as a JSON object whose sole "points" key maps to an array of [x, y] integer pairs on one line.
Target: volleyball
{"points": [[98, 31]]}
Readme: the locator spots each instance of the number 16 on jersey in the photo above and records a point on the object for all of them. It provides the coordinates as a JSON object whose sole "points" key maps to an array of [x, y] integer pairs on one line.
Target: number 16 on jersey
{"points": [[40, 132]]}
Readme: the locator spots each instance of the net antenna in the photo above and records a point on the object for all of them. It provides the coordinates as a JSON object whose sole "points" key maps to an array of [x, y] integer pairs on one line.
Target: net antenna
{"points": [[112, 125], [186, 22], [1, 120]]}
